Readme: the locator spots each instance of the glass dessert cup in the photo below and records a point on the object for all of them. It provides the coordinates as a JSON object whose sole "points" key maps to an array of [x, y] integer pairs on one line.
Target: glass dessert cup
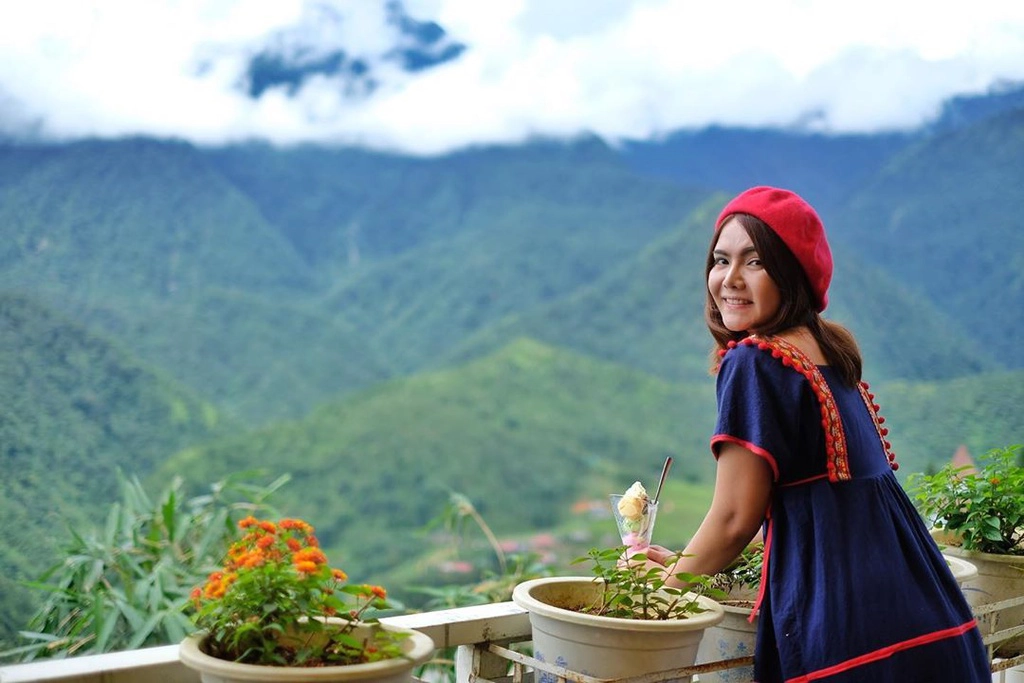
{"points": [[635, 531]]}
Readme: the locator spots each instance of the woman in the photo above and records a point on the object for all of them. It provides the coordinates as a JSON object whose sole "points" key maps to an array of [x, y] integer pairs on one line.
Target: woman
{"points": [[854, 588]]}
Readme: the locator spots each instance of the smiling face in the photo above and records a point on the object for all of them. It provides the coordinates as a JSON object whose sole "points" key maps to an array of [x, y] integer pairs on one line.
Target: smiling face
{"points": [[744, 294]]}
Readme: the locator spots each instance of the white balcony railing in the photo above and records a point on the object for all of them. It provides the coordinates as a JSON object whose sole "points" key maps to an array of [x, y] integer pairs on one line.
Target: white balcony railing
{"points": [[462, 628], [471, 630]]}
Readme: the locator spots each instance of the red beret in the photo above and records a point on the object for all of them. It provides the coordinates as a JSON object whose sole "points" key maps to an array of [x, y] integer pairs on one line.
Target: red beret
{"points": [[799, 226]]}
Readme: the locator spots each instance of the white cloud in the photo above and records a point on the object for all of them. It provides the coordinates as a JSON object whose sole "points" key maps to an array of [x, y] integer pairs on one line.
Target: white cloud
{"points": [[533, 67]]}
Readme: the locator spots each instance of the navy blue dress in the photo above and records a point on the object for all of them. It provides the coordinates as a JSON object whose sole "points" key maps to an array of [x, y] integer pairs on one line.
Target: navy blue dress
{"points": [[854, 588]]}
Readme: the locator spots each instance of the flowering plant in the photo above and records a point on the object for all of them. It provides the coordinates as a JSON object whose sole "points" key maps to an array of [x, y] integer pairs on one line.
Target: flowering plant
{"points": [[632, 591], [276, 601], [983, 508]]}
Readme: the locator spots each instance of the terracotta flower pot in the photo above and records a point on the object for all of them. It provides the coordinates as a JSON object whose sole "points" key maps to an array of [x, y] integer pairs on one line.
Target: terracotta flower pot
{"points": [[418, 648], [606, 647]]}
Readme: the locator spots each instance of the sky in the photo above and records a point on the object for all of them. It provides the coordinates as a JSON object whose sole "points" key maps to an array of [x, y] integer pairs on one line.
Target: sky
{"points": [[620, 69]]}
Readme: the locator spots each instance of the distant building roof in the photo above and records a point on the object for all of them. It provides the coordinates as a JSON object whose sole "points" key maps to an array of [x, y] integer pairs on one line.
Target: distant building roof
{"points": [[962, 458]]}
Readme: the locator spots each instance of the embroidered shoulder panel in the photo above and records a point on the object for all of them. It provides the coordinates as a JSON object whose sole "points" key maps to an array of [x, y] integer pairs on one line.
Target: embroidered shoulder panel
{"points": [[835, 438]]}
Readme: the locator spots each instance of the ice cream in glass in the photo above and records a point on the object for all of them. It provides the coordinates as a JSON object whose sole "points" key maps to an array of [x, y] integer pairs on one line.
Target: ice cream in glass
{"points": [[634, 513]]}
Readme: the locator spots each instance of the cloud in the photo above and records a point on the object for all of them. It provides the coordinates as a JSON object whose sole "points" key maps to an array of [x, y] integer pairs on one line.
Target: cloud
{"points": [[385, 75]]}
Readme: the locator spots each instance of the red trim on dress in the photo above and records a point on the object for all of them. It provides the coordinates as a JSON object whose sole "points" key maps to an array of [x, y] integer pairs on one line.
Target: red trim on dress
{"points": [[764, 566], [753, 448], [877, 420], [883, 653], [808, 480]]}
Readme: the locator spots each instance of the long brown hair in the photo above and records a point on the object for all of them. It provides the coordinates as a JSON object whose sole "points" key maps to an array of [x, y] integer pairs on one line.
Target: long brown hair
{"points": [[796, 308]]}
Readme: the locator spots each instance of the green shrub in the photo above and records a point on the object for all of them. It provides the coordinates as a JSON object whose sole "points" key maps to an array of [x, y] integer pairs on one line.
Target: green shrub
{"points": [[983, 507]]}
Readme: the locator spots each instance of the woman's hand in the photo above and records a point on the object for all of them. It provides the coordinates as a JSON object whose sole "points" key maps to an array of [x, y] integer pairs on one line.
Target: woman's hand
{"points": [[661, 555], [656, 557]]}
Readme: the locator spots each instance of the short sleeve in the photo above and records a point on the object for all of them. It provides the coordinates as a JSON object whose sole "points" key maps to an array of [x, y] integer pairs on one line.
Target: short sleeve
{"points": [[764, 406]]}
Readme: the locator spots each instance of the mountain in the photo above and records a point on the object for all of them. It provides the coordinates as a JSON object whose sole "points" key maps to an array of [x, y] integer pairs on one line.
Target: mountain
{"points": [[259, 358], [648, 313], [943, 217], [517, 431], [76, 408], [97, 218], [344, 267], [512, 255], [966, 110], [825, 169], [148, 241], [929, 420], [345, 208]]}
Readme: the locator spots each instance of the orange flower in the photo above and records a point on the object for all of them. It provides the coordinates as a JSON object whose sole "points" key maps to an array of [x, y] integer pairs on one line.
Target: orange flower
{"points": [[379, 592], [339, 575], [306, 567], [314, 555], [253, 559], [265, 542], [269, 527], [214, 589], [293, 545], [247, 522], [296, 524]]}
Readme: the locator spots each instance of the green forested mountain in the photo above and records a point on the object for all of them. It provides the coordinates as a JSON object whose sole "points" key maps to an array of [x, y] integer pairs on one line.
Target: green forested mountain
{"points": [[648, 313], [76, 408], [148, 241], [518, 431], [260, 358], [419, 305], [945, 218], [826, 168], [980, 411], [98, 218], [344, 207]]}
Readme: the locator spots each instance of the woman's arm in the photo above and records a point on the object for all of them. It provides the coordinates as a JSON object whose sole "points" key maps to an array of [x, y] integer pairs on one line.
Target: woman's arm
{"points": [[743, 487]]}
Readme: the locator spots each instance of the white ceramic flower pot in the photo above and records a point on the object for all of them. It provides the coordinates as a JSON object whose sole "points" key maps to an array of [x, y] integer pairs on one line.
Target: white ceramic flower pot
{"points": [[418, 648], [605, 647], [963, 571], [999, 578], [734, 636]]}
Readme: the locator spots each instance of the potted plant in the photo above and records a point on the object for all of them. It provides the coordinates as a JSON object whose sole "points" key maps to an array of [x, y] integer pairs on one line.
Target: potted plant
{"points": [[621, 622], [276, 610], [978, 515], [736, 634]]}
